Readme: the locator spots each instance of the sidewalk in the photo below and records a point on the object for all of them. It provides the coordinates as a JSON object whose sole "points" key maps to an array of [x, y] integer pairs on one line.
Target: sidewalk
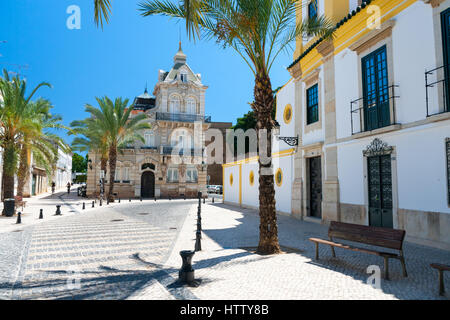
{"points": [[228, 268], [70, 205]]}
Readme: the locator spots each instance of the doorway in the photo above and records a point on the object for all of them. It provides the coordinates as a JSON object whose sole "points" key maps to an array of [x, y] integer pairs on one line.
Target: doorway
{"points": [[380, 191], [315, 187], [148, 185]]}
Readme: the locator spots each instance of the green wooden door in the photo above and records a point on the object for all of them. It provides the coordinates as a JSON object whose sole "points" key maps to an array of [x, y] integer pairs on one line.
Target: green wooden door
{"points": [[375, 90], [380, 191], [445, 23], [315, 187]]}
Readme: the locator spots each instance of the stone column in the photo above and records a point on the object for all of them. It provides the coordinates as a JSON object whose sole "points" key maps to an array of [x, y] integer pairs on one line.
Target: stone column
{"points": [[297, 185], [330, 202]]}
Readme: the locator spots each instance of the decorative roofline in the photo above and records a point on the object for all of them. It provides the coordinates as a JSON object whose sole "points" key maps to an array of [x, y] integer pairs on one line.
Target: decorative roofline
{"points": [[338, 25]]}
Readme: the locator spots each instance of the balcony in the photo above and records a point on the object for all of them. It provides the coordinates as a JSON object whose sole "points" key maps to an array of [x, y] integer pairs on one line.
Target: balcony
{"points": [[148, 148], [169, 150], [181, 117], [437, 91], [378, 111]]}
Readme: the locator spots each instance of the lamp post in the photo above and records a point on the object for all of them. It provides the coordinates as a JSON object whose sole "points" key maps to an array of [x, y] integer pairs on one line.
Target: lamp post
{"points": [[291, 141]]}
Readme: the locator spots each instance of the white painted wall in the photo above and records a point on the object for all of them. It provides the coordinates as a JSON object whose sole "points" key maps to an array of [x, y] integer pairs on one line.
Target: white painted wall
{"points": [[421, 168], [231, 193], [413, 53], [347, 90], [250, 194]]}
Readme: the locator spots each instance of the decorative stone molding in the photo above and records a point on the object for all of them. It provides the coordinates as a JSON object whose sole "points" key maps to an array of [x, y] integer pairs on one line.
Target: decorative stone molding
{"points": [[377, 148], [373, 37], [326, 48], [433, 3], [296, 71]]}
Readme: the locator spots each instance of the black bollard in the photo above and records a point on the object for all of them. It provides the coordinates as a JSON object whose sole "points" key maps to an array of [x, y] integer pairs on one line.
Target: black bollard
{"points": [[41, 214], [213, 199], [107, 201], [184, 196], [19, 219], [119, 200], [198, 243], [204, 200], [186, 273], [140, 198], [155, 198], [58, 210], [84, 206], [129, 200], [100, 204], [93, 204]]}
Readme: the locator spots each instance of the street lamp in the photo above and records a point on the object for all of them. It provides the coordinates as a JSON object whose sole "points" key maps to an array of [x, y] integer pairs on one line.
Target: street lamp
{"points": [[292, 141]]}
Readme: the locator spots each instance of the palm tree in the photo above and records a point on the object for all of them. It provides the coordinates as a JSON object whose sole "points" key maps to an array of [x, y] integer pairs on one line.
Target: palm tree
{"points": [[14, 121], [258, 30], [39, 140], [113, 121], [90, 138]]}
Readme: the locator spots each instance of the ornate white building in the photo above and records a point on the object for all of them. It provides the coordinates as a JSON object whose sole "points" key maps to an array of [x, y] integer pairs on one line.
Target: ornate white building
{"points": [[170, 163]]}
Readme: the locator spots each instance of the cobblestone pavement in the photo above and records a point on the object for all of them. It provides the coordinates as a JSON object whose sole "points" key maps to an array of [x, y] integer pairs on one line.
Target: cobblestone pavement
{"points": [[131, 251], [108, 253], [228, 267]]}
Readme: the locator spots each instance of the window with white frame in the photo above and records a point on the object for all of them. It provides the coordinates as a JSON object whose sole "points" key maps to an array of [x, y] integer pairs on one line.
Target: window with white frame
{"points": [[172, 175], [181, 139], [175, 104], [191, 106], [149, 139], [191, 175], [126, 174], [117, 174], [183, 77]]}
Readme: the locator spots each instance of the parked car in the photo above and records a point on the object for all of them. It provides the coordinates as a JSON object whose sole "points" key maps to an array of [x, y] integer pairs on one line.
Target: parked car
{"points": [[219, 189], [211, 189]]}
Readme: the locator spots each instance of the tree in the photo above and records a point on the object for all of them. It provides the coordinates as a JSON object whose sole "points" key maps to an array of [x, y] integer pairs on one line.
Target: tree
{"points": [[258, 31], [39, 140], [79, 163], [14, 122], [91, 137], [112, 126]]}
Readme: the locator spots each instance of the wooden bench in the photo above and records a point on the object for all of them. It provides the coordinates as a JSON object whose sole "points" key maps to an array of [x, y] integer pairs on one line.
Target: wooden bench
{"points": [[374, 236], [441, 268], [19, 202]]}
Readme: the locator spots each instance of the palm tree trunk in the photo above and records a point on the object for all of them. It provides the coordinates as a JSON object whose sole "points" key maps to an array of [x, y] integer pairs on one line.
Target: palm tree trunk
{"points": [[268, 228], [9, 168], [22, 174], [112, 171]]}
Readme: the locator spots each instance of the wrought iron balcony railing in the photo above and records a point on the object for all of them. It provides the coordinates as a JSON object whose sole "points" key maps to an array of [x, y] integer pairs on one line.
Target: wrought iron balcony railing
{"points": [[437, 91], [181, 117], [375, 111]]}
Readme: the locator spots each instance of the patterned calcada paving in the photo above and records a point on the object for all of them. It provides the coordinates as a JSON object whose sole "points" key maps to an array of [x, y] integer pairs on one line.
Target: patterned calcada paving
{"points": [[104, 255]]}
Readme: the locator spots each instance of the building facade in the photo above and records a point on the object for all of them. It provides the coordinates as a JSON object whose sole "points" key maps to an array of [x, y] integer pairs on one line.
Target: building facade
{"points": [[171, 162], [371, 110]]}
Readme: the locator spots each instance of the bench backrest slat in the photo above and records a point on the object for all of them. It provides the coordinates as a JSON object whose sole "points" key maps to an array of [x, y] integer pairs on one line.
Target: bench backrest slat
{"points": [[377, 236]]}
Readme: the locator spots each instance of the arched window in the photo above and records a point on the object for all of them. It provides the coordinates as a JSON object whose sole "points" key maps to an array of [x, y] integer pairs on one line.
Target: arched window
{"points": [[175, 103], [191, 106]]}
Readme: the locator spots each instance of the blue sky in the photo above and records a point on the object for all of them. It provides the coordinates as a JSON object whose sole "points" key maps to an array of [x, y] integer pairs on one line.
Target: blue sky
{"points": [[118, 61]]}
